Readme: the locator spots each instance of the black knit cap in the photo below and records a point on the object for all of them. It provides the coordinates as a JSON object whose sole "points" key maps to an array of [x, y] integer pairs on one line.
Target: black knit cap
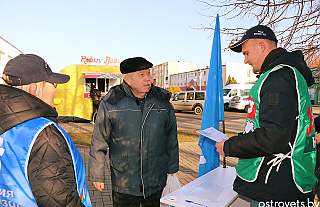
{"points": [[29, 68], [134, 64], [258, 32]]}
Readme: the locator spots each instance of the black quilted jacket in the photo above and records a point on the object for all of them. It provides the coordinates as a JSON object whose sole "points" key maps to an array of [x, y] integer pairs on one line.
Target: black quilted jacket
{"points": [[278, 126], [50, 170]]}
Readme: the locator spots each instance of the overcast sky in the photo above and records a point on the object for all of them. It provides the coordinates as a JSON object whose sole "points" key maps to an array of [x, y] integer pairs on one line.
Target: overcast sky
{"points": [[63, 31]]}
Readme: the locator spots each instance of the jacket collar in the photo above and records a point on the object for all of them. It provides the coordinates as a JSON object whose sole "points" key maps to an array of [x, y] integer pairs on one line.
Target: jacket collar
{"points": [[271, 57], [18, 106]]}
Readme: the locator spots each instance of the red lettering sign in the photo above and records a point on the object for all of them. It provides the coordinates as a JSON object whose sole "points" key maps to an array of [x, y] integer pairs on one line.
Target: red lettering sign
{"points": [[106, 61]]}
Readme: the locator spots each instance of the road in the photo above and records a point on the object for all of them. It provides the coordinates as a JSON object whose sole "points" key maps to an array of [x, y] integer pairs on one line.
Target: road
{"points": [[234, 120]]}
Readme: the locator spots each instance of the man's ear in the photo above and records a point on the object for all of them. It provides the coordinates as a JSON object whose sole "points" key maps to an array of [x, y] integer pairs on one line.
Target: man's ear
{"points": [[127, 78], [262, 46], [33, 88]]}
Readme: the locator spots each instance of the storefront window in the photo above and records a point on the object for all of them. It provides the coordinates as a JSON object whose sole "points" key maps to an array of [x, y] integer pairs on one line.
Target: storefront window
{"points": [[102, 83], [89, 83]]}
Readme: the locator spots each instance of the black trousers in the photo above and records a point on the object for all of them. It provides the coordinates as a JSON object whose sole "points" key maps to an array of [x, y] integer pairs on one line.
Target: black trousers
{"points": [[95, 107], [125, 200]]}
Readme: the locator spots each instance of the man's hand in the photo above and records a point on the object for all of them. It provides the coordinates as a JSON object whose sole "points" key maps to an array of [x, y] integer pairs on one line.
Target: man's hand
{"points": [[318, 138], [219, 146], [98, 186]]}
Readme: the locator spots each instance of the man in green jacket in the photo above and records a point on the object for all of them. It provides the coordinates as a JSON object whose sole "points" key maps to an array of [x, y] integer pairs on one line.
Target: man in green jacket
{"points": [[137, 123], [277, 148]]}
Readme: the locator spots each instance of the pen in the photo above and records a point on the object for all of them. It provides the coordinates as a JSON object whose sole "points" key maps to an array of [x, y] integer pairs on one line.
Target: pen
{"points": [[188, 201]]}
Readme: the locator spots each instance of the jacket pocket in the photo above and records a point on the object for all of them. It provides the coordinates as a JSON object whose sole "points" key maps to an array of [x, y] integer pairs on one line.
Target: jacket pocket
{"points": [[159, 171], [120, 175], [162, 160], [119, 164]]}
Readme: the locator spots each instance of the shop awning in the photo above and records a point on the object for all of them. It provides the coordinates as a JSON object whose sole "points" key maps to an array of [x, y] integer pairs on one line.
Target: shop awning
{"points": [[103, 75]]}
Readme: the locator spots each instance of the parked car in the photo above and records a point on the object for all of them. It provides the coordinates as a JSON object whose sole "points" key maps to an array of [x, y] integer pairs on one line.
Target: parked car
{"points": [[239, 103], [232, 90], [188, 101]]}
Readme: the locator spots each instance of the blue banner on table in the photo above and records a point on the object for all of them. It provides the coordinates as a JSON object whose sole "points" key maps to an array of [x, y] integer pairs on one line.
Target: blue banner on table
{"points": [[213, 111]]}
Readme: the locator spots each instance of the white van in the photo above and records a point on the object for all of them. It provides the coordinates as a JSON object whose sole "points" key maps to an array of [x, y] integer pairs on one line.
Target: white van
{"points": [[188, 101], [231, 90]]}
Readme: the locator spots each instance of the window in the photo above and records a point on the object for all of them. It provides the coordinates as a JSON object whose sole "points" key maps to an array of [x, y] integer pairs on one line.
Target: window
{"points": [[1, 56], [204, 72], [190, 95], [200, 95], [233, 92], [89, 82], [101, 83], [204, 82], [226, 91], [244, 92], [236, 98], [180, 96]]}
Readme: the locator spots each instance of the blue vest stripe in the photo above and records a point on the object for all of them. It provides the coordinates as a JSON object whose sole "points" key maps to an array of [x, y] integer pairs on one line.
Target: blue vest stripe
{"points": [[17, 144]]}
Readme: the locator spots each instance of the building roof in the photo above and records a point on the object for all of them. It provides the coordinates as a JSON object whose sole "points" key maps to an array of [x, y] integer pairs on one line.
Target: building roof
{"points": [[11, 44]]}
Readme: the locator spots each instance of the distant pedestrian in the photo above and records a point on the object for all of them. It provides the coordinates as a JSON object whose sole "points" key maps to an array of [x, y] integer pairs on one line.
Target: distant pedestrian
{"points": [[95, 95], [40, 165], [277, 149], [136, 123]]}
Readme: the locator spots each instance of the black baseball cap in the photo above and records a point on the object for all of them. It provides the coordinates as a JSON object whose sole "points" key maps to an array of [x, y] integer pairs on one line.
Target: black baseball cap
{"points": [[258, 32], [134, 64], [29, 68]]}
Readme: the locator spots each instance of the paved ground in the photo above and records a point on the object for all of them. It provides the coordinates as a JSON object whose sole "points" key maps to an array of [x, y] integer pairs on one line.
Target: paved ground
{"points": [[189, 153]]}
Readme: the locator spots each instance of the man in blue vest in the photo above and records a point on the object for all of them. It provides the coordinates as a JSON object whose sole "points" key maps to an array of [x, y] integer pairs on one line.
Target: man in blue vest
{"points": [[40, 165], [277, 148]]}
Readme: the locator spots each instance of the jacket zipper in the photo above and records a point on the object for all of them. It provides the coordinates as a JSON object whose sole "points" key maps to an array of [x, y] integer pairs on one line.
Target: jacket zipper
{"points": [[141, 138]]}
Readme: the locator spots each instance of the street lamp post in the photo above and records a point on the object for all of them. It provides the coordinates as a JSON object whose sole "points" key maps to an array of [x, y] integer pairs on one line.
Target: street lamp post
{"points": [[199, 76]]}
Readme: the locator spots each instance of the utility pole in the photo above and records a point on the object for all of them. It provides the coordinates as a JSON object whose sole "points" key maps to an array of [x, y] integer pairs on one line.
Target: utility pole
{"points": [[199, 76], [200, 79]]}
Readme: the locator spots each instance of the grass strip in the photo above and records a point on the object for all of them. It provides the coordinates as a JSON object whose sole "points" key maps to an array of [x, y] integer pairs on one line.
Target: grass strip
{"points": [[188, 135]]}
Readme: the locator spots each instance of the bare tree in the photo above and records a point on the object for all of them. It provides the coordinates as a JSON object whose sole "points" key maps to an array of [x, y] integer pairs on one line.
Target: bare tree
{"points": [[295, 22]]}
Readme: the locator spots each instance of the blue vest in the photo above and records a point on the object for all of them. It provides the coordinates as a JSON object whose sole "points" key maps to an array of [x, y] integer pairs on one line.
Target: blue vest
{"points": [[15, 149]]}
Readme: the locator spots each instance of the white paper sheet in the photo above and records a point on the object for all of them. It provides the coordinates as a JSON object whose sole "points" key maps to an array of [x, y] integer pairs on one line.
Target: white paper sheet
{"points": [[213, 134], [207, 191]]}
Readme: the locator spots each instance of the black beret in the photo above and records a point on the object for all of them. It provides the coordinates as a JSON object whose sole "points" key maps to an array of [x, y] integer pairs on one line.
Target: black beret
{"points": [[134, 64]]}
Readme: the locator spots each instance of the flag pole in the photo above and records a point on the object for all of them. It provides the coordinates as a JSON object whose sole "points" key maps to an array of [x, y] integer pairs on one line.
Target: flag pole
{"points": [[224, 131], [213, 112]]}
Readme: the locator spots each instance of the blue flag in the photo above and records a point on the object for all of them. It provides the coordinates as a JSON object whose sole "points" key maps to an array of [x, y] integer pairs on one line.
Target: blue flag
{"points": [[213, 110]]}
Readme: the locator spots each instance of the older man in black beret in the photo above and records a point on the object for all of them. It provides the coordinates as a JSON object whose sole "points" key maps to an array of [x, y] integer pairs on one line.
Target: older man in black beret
{"points": [[137, 123]]}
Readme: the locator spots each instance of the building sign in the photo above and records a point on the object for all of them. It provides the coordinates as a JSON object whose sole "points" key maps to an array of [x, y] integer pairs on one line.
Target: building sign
{"points": [[106, 61], [103, 75]]}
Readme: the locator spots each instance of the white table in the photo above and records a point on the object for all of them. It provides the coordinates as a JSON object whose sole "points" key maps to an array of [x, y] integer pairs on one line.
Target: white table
{"points": [[220, 176]]}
